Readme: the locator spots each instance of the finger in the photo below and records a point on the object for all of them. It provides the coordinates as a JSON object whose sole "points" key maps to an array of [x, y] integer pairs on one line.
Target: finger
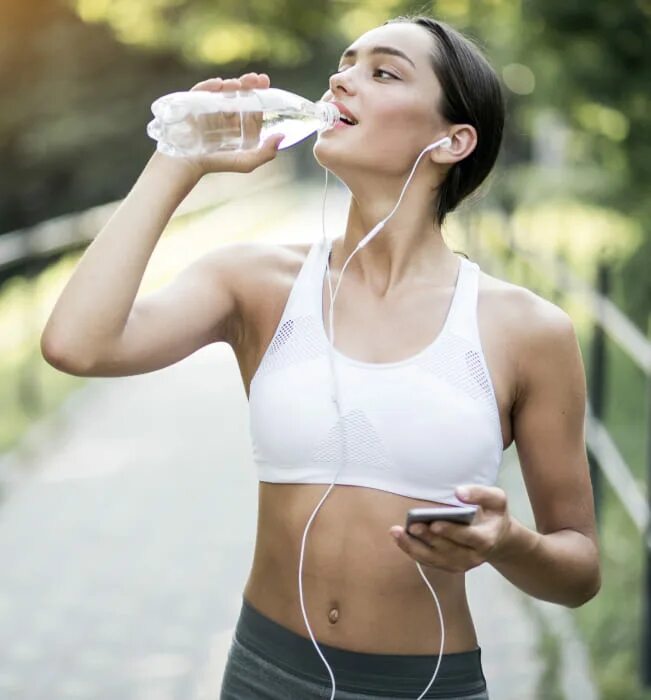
{"points": [[232, 84], [488, 497], [249, 81], [210, 84], [416, 549], [273, 142], [469, 536], [444, 555], [264, 80], [443, 545], [263, 154], [441, 554]]}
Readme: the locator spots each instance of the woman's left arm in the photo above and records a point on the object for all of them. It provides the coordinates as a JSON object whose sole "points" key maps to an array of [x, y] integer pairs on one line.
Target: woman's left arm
{"points": [[560, 561]]}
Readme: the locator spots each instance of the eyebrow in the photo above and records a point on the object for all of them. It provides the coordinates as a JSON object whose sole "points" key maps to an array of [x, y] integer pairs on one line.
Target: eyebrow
{"points": [[392, 51]]}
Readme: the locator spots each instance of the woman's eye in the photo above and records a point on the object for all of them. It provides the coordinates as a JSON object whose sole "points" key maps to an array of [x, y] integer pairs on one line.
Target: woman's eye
{"points": [[379, 70]]}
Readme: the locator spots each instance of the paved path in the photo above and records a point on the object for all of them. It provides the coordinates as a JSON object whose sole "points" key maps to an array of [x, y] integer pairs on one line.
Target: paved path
{"points": [[125, 554]]}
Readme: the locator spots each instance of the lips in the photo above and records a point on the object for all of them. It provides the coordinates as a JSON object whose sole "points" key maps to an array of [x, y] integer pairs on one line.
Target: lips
{"points": [[345, 112]]}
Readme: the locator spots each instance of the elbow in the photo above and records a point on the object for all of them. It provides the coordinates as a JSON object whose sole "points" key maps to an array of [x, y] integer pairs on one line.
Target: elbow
{"points": [[585, 598], [590, 583], [588, 591], [56, 357], [595, 588], [52, 354]]}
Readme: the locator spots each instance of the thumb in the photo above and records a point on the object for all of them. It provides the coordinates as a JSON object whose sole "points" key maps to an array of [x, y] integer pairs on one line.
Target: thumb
{"points": [[488, 497]]}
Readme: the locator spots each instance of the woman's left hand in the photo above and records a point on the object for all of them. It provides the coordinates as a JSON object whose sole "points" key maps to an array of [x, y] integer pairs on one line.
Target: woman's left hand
{"points": [[456, 547]]}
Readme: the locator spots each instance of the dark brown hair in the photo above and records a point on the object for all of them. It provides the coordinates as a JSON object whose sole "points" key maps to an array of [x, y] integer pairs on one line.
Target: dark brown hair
{"points": [[471, 94]]}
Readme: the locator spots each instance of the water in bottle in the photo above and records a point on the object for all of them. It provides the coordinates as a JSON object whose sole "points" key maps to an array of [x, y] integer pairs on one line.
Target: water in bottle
{"points": [[200, 122]]}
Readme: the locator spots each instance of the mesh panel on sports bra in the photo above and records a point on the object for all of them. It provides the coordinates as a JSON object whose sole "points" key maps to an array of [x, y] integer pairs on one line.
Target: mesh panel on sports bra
{"points": [[297, 339], [363, 444], [456, 361]]}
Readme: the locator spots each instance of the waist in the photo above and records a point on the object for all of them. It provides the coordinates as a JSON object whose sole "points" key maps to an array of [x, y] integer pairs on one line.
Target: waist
{"points": [[387, 675]]}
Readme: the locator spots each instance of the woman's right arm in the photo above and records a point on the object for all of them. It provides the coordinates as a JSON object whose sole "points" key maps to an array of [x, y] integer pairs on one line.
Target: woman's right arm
{"points": [[94, 323], [96, 328]]}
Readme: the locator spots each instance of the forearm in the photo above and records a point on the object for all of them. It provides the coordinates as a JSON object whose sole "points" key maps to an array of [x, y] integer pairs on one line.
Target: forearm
{"points": [[561, 567], [95, 304]]}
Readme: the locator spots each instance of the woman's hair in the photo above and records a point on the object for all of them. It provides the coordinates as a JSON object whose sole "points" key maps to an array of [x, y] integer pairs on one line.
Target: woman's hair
{"points": [[471, 94]]}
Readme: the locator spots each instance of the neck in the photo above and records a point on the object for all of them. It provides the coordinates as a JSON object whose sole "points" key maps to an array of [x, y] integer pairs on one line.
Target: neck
{"points": [[408, 249]]}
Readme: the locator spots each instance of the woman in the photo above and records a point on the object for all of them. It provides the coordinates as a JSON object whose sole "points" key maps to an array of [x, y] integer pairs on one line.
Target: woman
{"points": [[504, 366]]}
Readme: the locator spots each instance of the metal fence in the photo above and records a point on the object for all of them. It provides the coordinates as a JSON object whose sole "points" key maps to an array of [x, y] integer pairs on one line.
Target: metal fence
{"points": [[605, 458]]}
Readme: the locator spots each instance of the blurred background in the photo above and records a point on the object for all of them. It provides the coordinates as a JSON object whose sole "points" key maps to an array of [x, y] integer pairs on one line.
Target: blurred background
{"points": [[566, 213]]}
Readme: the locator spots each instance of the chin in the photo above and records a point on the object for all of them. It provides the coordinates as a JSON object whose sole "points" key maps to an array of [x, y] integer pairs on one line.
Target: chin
{"points": [[326, 155], [331, 151]]}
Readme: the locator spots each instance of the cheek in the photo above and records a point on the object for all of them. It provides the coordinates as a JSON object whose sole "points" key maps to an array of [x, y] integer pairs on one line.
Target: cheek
{"points": [[400, 124], [399, 132], [391, 114]]}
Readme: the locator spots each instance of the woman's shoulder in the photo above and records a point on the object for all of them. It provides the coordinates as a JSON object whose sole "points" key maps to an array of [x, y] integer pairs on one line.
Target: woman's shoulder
{"points": [[528, 332], [531, 329], [263, 273], [521, 306]]}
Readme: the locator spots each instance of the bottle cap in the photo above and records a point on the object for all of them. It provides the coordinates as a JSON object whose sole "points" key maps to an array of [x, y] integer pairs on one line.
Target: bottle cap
{"points": [[328, 113]]}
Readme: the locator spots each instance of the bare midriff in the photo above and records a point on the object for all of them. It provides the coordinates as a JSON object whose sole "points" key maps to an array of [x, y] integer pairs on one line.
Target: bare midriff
{"points": [[361, 591]]}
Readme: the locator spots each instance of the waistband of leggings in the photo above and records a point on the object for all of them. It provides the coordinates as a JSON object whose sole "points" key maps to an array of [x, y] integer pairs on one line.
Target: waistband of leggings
{"points": [[357, 671]]}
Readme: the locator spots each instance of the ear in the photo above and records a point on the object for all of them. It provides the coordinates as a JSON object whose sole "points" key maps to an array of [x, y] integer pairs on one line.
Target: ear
{"points": [[464, 141]]}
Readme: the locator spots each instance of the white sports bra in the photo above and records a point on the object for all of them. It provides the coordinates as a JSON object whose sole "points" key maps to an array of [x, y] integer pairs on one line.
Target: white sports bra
{"points": [[418, 427]]}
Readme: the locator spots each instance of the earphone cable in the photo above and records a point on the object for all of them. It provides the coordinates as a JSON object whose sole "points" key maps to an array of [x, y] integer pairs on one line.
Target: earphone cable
{"points": [[336, 398]]}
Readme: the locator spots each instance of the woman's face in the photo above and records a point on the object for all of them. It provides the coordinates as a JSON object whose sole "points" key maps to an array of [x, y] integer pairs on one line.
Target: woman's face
{"points": [[386, 81]]}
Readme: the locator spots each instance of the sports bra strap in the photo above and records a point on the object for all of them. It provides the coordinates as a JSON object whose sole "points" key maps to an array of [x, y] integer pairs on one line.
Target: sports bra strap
{"points": [[301, 296], [462, 320]]}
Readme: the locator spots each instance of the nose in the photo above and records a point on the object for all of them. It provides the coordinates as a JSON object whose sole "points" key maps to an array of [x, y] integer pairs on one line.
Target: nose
{"points": [[341, 82], [337, 82]]}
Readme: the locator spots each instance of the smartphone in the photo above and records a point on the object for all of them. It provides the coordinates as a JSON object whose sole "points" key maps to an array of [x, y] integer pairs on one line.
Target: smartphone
{"points": [[453, 514]]}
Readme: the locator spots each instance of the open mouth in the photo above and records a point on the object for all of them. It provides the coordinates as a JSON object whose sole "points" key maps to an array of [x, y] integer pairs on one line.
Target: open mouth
{"points": [[347, 120]]}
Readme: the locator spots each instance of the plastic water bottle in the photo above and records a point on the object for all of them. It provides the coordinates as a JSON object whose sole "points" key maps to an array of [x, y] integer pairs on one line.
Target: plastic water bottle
{"points": [[200, 122]]}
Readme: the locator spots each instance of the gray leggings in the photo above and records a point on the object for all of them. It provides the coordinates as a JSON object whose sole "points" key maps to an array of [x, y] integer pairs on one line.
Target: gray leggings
{"points": [[267, 661]]}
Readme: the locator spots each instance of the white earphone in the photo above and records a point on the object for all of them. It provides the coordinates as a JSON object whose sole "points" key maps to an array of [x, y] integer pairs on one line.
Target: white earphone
{"points": [[445, 142]]}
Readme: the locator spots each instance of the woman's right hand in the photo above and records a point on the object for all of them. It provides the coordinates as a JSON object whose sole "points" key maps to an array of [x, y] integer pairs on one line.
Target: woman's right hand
{"points": [[244, 161]]}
